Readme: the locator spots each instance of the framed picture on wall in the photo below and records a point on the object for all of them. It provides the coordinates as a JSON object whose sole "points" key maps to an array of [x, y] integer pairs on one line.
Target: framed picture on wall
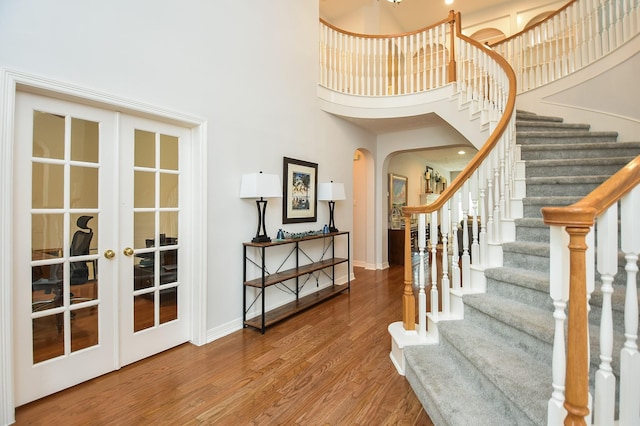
{"points": [[397, 199], [300, 186]]}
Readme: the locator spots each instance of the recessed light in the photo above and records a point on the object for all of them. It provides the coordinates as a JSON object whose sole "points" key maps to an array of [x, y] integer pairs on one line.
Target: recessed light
{"points": [[448, 1], [461, 152]]}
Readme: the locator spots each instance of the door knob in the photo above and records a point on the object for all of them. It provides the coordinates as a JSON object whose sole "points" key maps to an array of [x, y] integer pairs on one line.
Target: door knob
{"points": [[109, 254], [128, 251]]}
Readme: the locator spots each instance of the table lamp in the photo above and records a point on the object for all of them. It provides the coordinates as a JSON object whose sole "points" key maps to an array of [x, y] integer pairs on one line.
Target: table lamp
{"points": [[331, 192], [261, 186]]}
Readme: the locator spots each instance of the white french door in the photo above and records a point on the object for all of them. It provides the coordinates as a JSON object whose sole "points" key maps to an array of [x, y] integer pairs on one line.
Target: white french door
{"points": [[97, 207], [153, 294]]}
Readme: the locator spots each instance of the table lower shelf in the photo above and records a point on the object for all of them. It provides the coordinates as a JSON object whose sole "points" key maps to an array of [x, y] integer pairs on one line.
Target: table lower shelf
{"points": [[292, 308]]}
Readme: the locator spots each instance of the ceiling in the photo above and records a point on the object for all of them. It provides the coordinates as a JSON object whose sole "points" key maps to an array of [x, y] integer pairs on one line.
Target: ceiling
{"points": [[409, 14]]}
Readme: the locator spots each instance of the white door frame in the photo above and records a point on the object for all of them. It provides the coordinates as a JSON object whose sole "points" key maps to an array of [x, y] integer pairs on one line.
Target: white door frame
{"points": [[10, 82]]}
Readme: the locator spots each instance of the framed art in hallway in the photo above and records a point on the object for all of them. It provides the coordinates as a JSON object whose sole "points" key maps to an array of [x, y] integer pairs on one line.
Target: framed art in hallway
{"points": [[397, 199], [300, 186]]}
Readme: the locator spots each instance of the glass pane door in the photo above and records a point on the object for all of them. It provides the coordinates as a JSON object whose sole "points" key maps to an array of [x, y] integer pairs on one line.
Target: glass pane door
{"points": [[154, 294], [155, 229], [64, 308]]}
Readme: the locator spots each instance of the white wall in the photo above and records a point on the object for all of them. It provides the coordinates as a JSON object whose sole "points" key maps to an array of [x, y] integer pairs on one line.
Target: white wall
{"points": [[222, 61]]}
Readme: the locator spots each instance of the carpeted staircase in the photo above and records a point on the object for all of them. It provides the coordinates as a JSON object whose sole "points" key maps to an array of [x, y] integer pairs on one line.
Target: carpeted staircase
{"points": [[494, 367]]}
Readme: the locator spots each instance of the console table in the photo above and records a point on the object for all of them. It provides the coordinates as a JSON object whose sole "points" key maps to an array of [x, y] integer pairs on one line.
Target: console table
{"points": [[304, 265]]}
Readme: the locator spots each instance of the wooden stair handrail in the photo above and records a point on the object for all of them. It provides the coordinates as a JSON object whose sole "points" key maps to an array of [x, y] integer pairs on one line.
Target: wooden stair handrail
{"points": [[578, 219], [492, 141]]}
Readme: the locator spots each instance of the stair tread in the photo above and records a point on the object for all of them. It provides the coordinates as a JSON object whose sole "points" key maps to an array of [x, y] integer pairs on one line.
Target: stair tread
{"points": [[517, 374]]}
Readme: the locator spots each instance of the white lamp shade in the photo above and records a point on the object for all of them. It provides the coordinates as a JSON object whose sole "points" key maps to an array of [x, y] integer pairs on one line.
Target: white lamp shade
{"points": [[331, 191], [257, 185]]}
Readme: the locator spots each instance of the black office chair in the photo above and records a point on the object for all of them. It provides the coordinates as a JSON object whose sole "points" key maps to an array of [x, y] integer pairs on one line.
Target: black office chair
{"points": [[79, 271], [80, 247]]}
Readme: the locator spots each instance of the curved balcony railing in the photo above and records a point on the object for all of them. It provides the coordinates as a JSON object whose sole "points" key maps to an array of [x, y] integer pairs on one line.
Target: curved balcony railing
{"points": [[573, 37], [386, 65]]}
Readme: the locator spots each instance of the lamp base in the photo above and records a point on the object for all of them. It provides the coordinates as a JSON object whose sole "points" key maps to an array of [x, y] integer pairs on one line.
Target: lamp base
{"points": [[261, 239], [333, 229]]}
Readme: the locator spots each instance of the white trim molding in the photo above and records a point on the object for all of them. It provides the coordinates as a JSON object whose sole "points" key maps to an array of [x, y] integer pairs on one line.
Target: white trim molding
{"points": [[12, 81]]}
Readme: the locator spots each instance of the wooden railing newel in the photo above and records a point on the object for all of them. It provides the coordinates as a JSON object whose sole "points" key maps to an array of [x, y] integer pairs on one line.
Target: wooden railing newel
{"points": [[408, 299], [577, 380]]}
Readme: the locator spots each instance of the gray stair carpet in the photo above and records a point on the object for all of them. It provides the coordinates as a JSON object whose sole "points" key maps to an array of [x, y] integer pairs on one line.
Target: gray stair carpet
{"points": [[494, 367]]}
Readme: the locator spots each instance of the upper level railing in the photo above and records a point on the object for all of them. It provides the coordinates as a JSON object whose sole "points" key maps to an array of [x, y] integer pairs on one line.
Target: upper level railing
{"points": [[570, 39], [386, 65]]}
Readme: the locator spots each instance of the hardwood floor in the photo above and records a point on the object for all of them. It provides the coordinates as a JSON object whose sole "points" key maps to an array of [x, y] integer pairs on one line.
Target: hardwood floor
{"points": [[326, 366]]}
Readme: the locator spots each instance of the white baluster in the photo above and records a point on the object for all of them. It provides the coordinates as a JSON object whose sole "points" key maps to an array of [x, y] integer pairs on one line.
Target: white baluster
{"points": [[434, 265], [497, 223], [606, 47], [446, 285], [607, 252], [629, 355], [559, 292], [475, 246], [422, 296], [483, 216], [455, 249], [490, 227], [466, 270]]}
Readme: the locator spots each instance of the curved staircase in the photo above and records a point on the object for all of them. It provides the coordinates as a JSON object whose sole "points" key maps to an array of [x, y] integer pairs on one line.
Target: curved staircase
{"points": [[494, 366]]}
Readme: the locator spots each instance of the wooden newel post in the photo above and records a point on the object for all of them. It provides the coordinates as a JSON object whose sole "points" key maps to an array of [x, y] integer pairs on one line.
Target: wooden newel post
{"points": [[408, 299], [452, 50], [577, 383]]}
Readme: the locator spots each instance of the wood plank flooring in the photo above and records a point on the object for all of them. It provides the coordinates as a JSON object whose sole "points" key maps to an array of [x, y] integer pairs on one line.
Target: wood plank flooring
{"points": [[328, 365]]}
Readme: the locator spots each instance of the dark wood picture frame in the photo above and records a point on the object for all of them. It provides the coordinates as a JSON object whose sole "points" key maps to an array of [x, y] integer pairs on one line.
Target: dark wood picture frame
{"points": [[299, 192]]}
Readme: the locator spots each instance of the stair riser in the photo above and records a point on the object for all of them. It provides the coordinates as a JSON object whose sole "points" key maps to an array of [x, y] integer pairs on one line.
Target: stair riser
{"points": [[534, 210], [521, 294], [549, 127], [540, 349], [559, 189], [577, 153], [564, 139], [537, 235], [548, 170], [526, 261]]}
